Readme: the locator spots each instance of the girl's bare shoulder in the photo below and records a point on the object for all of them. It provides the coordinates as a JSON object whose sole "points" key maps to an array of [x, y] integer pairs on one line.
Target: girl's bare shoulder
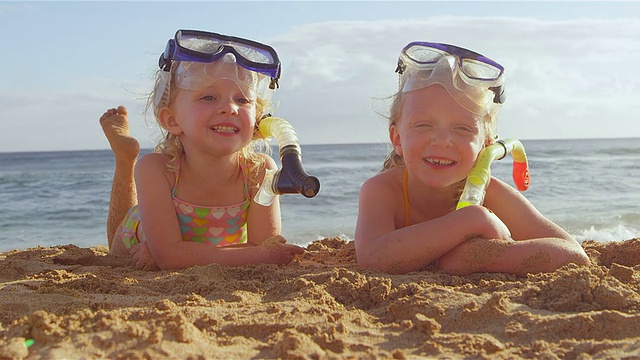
{"points": [[386, 182], [388, 177], [500, 190], [155, 164], [154, 159]]}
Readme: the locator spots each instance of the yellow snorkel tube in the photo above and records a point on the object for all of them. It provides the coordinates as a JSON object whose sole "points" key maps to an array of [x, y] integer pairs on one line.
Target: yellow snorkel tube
{"points": [[480, 174], [291, 178]]}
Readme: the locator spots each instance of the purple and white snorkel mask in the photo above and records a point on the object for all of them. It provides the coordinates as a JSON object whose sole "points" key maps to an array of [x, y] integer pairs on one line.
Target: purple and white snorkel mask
{"points": [[196, 59], [474, 81]]}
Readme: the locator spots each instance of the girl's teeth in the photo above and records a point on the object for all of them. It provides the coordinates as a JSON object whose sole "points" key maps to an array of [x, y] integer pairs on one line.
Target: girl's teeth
{"points": [[439, 161], [226, 129]]}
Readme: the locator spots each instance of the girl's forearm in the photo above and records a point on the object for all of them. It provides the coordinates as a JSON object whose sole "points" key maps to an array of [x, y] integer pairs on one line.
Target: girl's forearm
{"points": [[414, 247], [512, 257]]}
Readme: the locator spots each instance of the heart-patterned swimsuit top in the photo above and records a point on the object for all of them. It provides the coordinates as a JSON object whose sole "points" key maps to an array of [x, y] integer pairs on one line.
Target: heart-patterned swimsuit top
{"points": [[216, 225]]}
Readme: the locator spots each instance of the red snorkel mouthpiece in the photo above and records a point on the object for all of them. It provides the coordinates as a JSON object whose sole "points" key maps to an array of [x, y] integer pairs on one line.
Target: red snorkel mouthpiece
{"points": [[521, 175]]}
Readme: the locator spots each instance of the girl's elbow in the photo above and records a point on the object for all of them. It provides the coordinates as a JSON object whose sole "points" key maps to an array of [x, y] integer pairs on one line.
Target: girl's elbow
{"points": [[168, 265], [452, 265], [366, 261], [571, 253], [395, 267], [577, 255], [368, 256], [168, 262], [580, 258], [373, 263]]}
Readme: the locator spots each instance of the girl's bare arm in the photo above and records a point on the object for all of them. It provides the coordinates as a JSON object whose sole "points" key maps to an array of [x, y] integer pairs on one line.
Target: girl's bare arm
{"points": [[162, 231], [379, 245], [540, 245]]}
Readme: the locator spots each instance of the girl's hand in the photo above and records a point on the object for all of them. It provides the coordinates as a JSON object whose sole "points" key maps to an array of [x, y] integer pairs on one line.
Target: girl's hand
{"points": [[277, 251], [141, 257]]}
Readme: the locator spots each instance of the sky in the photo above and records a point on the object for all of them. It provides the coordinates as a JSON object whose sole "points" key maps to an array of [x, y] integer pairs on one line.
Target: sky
{"points": [[572, 68]]}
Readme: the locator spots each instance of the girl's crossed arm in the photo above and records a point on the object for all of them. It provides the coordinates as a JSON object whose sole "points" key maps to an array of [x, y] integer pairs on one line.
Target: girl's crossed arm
{"points": [[380, 245], [539, 246]]}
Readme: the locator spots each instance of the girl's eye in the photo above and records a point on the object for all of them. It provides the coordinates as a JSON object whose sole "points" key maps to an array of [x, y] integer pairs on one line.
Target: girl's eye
{"points": [[466, 129], [208, 98], [243, 101]]}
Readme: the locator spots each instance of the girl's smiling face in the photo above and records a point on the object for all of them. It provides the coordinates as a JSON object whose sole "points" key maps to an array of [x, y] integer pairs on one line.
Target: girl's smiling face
{"points": [[438, 139], [219, 118]]}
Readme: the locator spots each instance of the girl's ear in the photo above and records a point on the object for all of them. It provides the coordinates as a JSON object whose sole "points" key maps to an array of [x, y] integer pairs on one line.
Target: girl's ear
{"points": [[394, 136], [167, 120]]}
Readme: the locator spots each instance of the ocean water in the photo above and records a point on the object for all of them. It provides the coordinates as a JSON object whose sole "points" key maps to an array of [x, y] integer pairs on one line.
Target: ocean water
{"points": [[589, 187]]}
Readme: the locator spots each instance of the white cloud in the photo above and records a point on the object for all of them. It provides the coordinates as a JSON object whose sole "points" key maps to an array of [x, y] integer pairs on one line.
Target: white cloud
{"points": [[564, 79]]}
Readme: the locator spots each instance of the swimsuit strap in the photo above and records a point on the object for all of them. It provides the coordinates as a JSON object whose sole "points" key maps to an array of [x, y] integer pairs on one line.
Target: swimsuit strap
{"points": [[245, 176], [405, 193], [174, 191]]}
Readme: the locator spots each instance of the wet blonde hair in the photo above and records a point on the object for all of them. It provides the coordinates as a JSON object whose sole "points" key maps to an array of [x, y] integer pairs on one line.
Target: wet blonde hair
{"points": [[164, 93], [395, 112]]}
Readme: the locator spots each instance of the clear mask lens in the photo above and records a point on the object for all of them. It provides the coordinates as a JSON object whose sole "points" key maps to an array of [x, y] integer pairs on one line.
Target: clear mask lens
{"points": [[199, 44], [479, 70], [467, 91], [211, 46], [424, 55], [254, 54]]}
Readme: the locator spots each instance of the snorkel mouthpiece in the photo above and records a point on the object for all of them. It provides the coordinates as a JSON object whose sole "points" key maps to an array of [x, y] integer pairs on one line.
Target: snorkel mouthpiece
{"points": [[291, 178], [480, 175]]}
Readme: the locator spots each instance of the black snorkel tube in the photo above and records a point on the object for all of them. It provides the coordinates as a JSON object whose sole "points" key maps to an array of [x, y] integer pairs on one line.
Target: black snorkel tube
{"points": [[291, 178]]}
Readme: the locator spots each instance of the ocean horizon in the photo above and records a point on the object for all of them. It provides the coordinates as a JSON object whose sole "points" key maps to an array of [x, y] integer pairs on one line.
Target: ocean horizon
{"points": [[587, 186]]}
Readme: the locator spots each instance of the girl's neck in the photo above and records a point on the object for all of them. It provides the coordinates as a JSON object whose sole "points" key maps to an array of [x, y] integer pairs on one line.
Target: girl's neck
{"points": [[427, 197], [209, 168]]}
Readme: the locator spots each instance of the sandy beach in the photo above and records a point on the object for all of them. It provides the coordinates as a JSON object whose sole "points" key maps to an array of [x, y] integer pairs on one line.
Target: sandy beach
{"points": [[70, 302]]}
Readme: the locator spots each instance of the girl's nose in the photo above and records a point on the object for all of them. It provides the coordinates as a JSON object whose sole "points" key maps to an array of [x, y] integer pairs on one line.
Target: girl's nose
{"points": [[228, 106], [441, 137]]}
